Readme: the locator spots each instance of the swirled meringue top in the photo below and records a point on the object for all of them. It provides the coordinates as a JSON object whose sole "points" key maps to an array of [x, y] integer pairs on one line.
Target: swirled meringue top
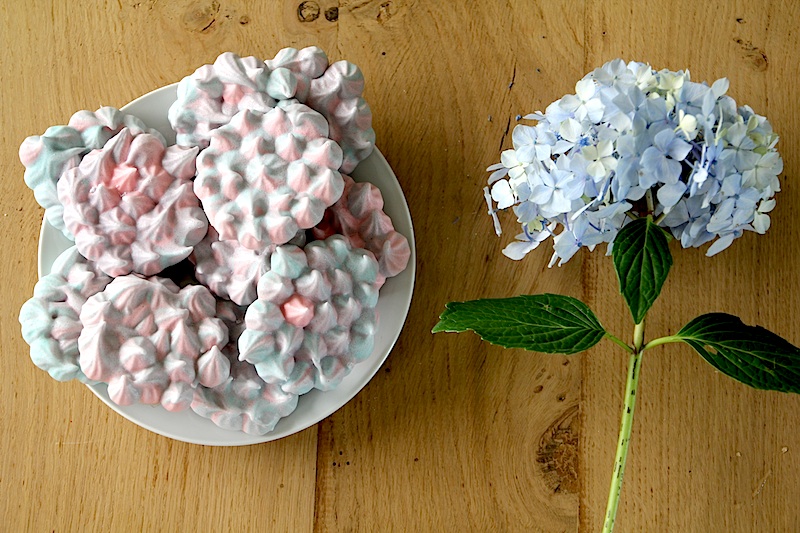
{"points": [[46, 157], [267, 175], [98, 127], [130, 205], [314, 317], [209, 98], [306, 65], [337, 95], [359, 217], [244, 401], [50, 320], [229, 269], [151, 341]]}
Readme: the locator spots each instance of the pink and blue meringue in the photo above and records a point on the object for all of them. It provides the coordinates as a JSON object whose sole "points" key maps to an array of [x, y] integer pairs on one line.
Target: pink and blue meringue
{"points": [[358, 216], [265, 176], [46, 157], [130, 205], [244, 401], [152, 342], [314, 318], [51, 319]]}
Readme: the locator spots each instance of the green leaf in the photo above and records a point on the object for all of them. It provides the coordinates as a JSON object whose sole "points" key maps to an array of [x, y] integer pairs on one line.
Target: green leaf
{"points": [[642, 261], [750, 354], [548, 323]]}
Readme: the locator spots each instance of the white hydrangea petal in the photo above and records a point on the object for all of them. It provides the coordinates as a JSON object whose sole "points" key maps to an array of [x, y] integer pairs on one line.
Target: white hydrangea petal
{"points": [[517, 249], [502, 194], [543, 151], [766, 206], [523, 136], [526, 154], [508, 158], [594, 110], [573, 186], [720, 87], [540, 194], [516, 172], [498, 174], [570, 130], [761, 223], [605, 149], [558, 202], [585, 89]]}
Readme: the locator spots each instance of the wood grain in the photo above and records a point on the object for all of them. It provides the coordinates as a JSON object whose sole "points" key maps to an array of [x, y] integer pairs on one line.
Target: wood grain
{"points": [[452, 434]]}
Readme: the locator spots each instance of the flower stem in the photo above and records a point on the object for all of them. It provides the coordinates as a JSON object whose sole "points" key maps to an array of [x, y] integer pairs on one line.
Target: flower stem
{"points": [[661, 340], [631, 384], [613, 338]]}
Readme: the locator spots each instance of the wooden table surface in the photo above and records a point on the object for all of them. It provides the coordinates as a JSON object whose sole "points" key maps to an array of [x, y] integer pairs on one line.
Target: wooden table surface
{"points": [[452, 434]]}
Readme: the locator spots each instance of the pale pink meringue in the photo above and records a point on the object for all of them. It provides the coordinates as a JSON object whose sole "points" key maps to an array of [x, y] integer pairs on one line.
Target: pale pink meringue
{"points": [[144, 337], [98, 127], [266, 176], [359, 217], [48, 156], [337, 95], [298, 310], [229, 269], [126, 211], [306, 65], [210, 96], [213, 368], [244, 401]]}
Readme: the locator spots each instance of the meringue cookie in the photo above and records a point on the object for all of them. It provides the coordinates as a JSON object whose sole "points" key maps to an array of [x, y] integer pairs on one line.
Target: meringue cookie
{"points": [[210, 96], [96, 128], [337, 95], [306, 65], [46, 157], [265, 176], [145, 337], [244, 401], [229, 269], [128, 213], [314, 318], [50, 320], [359, 217]]}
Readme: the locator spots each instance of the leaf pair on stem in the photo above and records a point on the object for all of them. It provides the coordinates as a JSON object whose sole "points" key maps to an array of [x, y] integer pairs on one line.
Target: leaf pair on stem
{"points": [[556, 324]]}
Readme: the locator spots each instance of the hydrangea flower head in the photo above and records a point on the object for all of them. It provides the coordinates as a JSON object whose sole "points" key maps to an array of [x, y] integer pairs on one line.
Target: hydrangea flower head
{"points": [[635, 142]]}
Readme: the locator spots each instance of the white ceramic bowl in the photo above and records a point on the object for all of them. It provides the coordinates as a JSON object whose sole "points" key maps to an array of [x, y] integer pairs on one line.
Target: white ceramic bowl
{"points": [[393, 304]]}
